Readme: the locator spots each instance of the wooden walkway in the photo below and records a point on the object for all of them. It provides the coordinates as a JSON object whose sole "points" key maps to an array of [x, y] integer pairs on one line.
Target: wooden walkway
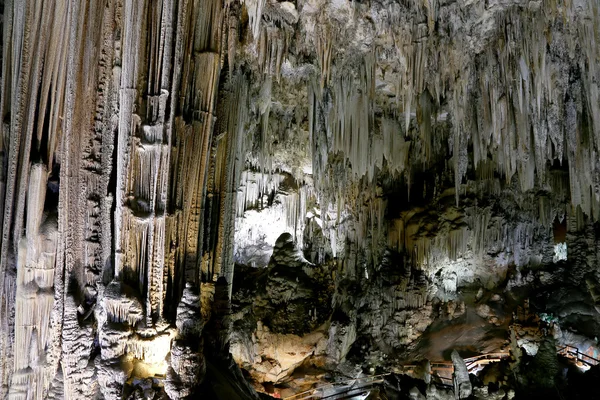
{"points": [[574, 354], [441, 372]]}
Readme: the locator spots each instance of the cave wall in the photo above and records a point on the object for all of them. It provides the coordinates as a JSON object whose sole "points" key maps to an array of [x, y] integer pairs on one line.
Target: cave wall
{"points": [[118, 188], [149, 146], [456, 138]]}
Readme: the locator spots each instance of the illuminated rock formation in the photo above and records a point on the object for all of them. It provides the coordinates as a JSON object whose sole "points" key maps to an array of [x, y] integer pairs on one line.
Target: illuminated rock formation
{"points": [[111, 163], [326, 185]]}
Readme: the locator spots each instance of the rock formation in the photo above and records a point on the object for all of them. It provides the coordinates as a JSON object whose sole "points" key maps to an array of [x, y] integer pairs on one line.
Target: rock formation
{"points": [[306, 191], [462, 384]]}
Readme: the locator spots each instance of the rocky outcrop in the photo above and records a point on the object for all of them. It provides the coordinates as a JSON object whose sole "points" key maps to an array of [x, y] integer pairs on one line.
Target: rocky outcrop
{"points": [[462, 383], [280, 314], [273, 357]]}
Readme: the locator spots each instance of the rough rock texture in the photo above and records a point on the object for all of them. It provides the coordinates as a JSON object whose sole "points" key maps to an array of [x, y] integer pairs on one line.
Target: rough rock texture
{"points": [[453, 180], [462, 383], [187, 365], [279, 314], [118, 178], [410, 177]]}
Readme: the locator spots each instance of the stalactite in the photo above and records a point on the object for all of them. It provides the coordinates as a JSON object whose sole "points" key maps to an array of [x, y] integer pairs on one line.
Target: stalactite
{"points": [[325, 44], [395, 148], [255, 8], [253, 187], [272, 47], [265, 163], [72, 79], [119, 112], [479, 224]]}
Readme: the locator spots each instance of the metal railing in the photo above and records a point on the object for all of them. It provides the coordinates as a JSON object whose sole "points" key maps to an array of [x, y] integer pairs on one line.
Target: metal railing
{"points": [[353, 387], [573, 352]]}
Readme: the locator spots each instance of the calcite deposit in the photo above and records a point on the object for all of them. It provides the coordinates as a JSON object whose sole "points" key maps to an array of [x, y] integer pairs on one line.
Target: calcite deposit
{"points": [[249, 198]]}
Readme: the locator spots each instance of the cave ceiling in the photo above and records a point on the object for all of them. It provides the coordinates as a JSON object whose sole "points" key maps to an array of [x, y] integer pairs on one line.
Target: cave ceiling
{"points": [[246, 199]]}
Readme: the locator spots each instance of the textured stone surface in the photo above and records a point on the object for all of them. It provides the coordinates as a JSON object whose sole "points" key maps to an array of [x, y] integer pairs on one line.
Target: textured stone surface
{"points": [[403, 173], [109, 122], [462, 383]]}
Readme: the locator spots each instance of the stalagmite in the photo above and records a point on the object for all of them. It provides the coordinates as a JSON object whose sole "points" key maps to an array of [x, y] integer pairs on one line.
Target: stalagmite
{"points": [[462, 384]]}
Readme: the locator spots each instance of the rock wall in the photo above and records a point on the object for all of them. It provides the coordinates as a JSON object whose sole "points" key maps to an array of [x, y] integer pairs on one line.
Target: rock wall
{"points": [[410, 151], [458, 139], [122, 125]]}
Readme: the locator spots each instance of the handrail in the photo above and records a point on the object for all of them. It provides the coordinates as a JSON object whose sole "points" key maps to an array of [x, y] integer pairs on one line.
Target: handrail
{"points": [[442, 365], [590, 357], [471, 363], [579, 355], [487, 356], [309, 394]]}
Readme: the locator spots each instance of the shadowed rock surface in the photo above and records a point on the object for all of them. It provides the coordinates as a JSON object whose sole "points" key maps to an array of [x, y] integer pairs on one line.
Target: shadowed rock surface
{"points": [[255, 198]]}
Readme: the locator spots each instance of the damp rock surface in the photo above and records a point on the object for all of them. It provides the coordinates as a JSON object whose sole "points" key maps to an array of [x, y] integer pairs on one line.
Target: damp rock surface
{"points": [[288, 193]]}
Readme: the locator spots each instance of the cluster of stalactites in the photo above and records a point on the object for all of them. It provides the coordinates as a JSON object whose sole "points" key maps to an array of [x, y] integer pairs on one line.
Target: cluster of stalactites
{"points": [[120, 305], [271, 24], [359, 143], [516, 105], [476, 232], [271, 29], [151, 350], [295, 208], [279, 210], [351, 119], [531, 109], [521, 107], [254, 188]]}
